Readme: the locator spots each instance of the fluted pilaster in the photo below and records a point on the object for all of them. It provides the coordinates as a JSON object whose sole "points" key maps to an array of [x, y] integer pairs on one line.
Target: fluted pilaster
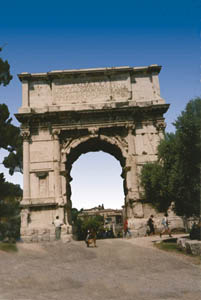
{"points": [[57, 159], [26, 165]]}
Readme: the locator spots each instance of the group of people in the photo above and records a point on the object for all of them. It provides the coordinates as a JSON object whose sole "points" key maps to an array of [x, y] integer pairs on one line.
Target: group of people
{"points": [[150, 224], [164, 223], [151, 227]]}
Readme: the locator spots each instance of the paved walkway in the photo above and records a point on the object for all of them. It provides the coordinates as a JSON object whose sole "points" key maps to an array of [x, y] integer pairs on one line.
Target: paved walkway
{"points": [[117, 269]]}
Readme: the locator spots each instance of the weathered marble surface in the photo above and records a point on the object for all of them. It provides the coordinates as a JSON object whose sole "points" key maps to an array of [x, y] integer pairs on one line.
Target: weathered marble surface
{"points": [[67, 113]]}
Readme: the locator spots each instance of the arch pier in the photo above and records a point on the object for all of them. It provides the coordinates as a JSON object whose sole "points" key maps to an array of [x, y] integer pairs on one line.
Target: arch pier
{"points": [[67, 113]]}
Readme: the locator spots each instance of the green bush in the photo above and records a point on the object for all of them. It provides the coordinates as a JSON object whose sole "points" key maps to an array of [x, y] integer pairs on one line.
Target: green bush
{"points": [[9, 219], [93, 223], [195, 232]]}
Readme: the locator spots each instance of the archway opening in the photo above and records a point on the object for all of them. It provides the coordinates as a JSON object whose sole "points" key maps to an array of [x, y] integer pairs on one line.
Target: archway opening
{"points": [[102, 187], [97, 181]]}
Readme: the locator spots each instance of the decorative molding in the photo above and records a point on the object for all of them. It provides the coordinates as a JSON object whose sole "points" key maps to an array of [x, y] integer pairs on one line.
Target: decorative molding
{"points": [[41, 174], [39, 205]]}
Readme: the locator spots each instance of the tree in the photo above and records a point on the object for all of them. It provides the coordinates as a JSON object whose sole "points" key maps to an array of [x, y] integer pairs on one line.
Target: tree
{"points": [[10, 197], [155, 184], [9, 193], [81, 226], [5, 76], [175, 177], [11, 141], [186, 181], [93, 223], [157, 177]]}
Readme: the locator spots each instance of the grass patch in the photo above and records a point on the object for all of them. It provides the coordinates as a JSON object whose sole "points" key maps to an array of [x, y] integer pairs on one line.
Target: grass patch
{"points": [[171, 246], [8, 247]]}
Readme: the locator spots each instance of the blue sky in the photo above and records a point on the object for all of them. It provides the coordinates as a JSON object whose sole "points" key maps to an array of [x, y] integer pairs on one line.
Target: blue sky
{"points": [[46, 35]]}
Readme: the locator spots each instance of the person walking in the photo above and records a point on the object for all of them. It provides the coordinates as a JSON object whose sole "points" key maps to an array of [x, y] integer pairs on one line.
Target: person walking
{"points": [[126, 229], [57, 223], [165, 224], [150, 224]]}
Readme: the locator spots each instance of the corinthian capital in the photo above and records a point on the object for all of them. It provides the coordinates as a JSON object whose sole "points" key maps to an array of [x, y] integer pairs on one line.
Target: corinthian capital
{"points": [[25, 133], [131, 128], [56, 133], [160, 125]]}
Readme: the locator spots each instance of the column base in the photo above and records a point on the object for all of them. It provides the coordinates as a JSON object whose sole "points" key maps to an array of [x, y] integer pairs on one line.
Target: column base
{"points": [[40, 235]]}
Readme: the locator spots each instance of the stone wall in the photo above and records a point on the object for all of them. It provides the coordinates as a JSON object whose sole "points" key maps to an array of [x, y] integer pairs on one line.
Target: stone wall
{"points": [[139, 225]]}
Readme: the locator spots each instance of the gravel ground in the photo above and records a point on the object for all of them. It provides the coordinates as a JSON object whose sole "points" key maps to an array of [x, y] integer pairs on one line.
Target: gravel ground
{"points": [[116, 269]]}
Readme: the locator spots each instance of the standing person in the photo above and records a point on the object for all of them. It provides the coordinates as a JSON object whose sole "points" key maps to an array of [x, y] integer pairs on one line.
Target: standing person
{"points": [[165, 224], [57, 223], [88, 235], [150, 223], [126, 229]]}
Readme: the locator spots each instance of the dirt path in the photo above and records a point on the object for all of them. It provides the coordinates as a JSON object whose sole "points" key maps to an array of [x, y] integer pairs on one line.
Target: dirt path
{"points": [[117, 269]]}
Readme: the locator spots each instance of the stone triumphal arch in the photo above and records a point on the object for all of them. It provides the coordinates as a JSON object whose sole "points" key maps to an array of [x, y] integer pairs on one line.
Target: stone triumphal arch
{"points": [[66, 113]]}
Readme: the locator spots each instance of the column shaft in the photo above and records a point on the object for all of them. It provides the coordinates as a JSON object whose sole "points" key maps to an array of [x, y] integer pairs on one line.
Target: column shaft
{"points": [[57, 176], [132, 174], [26, 175]]}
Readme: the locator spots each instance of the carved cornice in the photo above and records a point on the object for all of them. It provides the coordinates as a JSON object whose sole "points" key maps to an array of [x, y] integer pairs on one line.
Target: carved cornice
{"points": [[109, 115], [39, 205], [92, 71]]}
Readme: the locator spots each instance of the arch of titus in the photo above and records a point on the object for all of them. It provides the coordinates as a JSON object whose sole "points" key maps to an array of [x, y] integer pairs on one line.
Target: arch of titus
{"points": [[67, 113]]}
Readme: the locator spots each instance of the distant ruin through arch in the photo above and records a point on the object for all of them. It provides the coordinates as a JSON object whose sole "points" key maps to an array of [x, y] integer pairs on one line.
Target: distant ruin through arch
{"points": [[67, 113]]}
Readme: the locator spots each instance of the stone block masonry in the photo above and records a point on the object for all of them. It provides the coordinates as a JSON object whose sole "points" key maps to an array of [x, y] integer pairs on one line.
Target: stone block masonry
{"points": [[70, 112]]}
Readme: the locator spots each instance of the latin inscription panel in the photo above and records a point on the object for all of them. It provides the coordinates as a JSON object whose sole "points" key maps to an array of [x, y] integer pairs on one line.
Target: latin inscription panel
{"points": [[85, 89]]}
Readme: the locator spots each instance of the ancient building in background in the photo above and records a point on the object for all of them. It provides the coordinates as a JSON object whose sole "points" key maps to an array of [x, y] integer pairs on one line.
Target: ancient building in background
{"points": [[67, 113], [112, 220]]}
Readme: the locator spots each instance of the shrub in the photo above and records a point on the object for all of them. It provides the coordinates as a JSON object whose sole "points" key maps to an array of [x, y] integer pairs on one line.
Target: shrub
{"points": [[195, 232]]}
